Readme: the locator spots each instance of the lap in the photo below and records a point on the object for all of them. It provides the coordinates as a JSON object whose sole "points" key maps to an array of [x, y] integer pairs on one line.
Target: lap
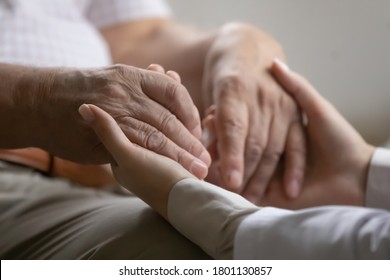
{"points": [[45, 218]]}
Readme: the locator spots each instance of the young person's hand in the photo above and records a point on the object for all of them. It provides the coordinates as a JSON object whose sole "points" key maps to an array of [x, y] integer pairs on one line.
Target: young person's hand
{"points": [[145, 173], [338, 158]]}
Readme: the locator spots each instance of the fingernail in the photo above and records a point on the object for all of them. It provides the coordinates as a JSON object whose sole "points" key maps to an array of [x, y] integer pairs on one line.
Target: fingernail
{"points": [[234, 179], [205, 158], [281, 64], [199, 169], [293, 189], [86, 113]]}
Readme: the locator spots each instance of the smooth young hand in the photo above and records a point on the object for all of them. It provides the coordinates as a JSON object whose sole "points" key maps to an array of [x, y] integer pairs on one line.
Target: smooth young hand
{"points": [[338, 157], [147, 174]]}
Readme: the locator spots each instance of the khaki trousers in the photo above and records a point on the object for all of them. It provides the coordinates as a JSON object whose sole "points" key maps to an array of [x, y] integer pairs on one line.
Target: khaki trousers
{"points": [[46, 218]]}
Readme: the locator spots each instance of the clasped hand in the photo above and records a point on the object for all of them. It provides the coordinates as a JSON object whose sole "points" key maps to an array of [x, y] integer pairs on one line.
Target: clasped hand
{"points": [[338, 157], [255, 122], [153, 110]]}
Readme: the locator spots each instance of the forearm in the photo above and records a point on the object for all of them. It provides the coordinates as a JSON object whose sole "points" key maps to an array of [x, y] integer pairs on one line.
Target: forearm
{"points": [[18, 92]]}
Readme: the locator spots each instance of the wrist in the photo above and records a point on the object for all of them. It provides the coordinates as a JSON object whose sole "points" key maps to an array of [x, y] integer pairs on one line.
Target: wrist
{"points": [[377, 192], [361, 173]]}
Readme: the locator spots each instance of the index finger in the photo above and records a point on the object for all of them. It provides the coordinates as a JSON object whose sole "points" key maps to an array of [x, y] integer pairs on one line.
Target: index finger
{"points": [[175, 97], [108, 131], [232, 119]]}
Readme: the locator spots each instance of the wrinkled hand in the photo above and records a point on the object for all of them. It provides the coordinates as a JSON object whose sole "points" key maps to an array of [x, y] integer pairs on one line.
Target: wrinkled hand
{"points": [[154, 111], [148, 175], [255, 120], [338, 157]]}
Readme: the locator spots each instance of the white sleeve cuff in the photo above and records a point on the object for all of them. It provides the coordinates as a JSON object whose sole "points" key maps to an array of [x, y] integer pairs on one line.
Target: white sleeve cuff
{"points": [[378, 182], [207, 215], [247, 244]]}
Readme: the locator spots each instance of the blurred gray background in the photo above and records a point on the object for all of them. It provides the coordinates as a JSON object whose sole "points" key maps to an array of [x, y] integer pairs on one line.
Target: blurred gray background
{"points": [[341, 46]]}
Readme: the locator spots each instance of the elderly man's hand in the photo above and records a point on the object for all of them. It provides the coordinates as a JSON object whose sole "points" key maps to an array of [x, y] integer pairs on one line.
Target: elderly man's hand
{"points": [[153, 110], [255, 120]]}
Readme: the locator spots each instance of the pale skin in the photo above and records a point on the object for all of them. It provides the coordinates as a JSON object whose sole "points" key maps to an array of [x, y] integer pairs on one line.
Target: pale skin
{"points": [[338, 154]]}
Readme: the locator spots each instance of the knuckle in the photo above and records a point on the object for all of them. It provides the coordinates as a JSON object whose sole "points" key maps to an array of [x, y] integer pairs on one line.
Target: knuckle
{"points": [[155, 140], [120, 69], [181, 156], [232, 83], [178, 100], [269, 95], [254, 152], [193, 148], [271, 157], [169, 124], [173, 93], [297, 151], [170, 127], [233, 126], [115, 93]]}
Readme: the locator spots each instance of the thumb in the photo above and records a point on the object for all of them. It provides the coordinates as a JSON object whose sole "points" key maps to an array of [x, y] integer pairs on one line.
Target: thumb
{"points": [[108, 131], [307, 97]]}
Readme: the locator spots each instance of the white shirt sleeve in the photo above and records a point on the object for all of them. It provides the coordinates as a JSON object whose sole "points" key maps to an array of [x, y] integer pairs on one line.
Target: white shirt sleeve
{"points": [[207, 215], [225, 225], [378, 181], [103, 13], [330, 232]]}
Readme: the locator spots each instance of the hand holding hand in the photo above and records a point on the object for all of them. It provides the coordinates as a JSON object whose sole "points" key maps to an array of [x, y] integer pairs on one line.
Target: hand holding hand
{"points": [[255, 120], [154, 111], [338, 157], [145, 173]]}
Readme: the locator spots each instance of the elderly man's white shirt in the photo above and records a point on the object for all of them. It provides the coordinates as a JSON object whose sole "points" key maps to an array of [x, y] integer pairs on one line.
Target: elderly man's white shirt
{"points": [[65, 32]]}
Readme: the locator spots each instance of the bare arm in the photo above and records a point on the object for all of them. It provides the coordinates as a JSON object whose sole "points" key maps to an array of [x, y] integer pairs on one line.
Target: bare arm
{"points": [[17, 124], [39, 109]]}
